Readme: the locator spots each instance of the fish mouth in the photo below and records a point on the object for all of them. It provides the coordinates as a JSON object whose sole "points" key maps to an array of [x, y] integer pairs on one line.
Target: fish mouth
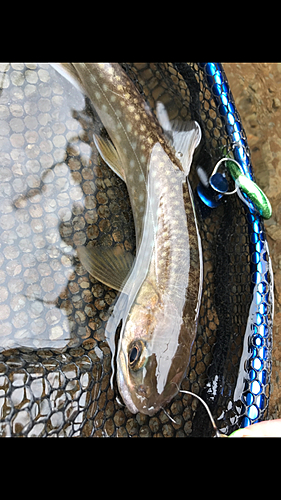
{"points": [[144, 407], [140, 397], [125, 393], [126, 390]]}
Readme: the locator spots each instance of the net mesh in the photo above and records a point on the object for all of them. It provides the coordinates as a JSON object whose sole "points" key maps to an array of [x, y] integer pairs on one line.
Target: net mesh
{"points": [[56, 194]]}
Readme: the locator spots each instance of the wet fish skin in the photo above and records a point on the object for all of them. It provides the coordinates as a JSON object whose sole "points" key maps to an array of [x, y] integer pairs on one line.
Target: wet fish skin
{"points": [[164, 313], [164, 286], [130, 125]]}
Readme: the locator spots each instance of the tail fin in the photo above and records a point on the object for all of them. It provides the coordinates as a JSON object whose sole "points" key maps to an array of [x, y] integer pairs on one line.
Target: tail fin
{"points": [[183, 136]]}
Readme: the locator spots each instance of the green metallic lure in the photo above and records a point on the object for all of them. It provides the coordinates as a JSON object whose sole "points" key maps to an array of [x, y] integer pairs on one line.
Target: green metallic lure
{"points": [[246, 185], [250, 188]]}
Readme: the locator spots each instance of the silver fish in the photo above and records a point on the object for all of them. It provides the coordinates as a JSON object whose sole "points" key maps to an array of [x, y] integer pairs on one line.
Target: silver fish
{"points": [[162, 287]]}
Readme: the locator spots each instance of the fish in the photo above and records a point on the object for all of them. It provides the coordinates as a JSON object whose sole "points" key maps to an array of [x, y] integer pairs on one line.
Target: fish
{"points": [[162, 285]]}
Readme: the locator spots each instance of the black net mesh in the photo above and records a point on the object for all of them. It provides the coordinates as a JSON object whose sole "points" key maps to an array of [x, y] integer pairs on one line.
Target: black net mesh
{"points": [[56, 193]]}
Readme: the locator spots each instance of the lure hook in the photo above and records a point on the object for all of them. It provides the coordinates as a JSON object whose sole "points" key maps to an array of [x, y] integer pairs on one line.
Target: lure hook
{"points": [[211, 191], [246, 185]]}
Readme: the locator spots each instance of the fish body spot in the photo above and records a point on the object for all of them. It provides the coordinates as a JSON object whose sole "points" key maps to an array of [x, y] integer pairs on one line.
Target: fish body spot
{"points": [[129, 127], [132, 163], [97, 94]]}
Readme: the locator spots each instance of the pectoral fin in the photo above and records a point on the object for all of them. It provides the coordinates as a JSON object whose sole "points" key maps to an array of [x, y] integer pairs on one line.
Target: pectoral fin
{"points": [[109, 154], [183, 136], [111, 266]]}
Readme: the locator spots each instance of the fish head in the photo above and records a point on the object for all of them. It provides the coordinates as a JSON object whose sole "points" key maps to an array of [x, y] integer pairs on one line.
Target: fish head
{"points": [[151, 360]]}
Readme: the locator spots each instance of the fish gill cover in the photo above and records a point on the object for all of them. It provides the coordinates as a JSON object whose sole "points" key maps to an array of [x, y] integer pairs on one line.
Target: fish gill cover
{"points": [[57, 193]]}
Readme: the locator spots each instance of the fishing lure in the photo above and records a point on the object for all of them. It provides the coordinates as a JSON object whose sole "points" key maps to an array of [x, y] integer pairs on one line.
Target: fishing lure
{"points": [[213, 189]]}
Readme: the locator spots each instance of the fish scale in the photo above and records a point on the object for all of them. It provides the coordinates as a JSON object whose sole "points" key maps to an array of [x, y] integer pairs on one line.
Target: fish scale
{"points": [[170, 293], [172, 234], [148, 161], [128, 121]]}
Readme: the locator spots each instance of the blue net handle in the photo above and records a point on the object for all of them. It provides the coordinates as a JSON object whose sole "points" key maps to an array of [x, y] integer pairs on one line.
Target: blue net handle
{"points": [[255, 364]]}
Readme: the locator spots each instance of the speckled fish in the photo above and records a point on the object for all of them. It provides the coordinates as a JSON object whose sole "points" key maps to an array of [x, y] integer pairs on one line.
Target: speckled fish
{"points": [[161, 288]]}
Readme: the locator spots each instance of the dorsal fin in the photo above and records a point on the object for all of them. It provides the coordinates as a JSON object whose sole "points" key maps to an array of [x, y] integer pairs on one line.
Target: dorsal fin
{"points": [[109, 154]]}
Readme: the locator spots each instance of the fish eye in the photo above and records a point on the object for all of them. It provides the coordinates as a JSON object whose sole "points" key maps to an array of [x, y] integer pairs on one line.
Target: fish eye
{"points": [[136, 354]]}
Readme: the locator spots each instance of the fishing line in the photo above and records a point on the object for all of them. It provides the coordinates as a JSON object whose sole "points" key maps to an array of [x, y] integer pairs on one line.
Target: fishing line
{"points": [[218, 433], [167, 414]]}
